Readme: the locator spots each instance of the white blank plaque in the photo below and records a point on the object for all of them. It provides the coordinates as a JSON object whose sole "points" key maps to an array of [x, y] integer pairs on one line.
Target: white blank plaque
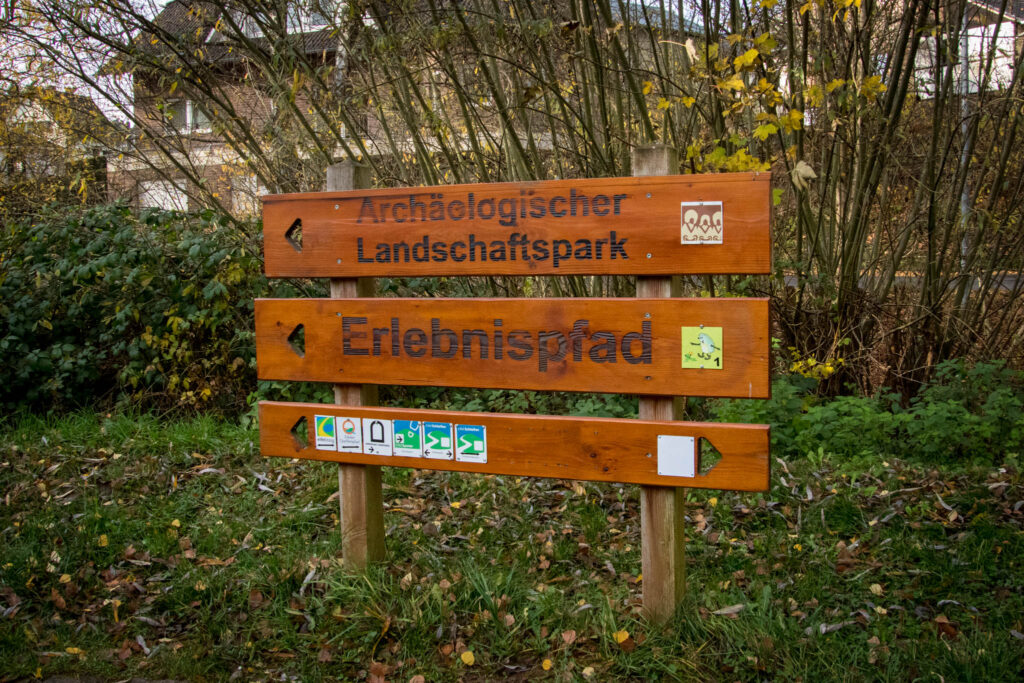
{"points": [[677, 456]]}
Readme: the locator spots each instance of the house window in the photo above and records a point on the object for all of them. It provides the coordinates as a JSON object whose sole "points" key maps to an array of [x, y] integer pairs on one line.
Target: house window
{"points": [[186, 116], [162, 194]]}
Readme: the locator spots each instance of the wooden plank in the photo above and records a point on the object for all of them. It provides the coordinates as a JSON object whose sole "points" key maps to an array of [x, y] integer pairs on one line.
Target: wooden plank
{"points": [[592, 449], [589, 226], [662, 508], [360, 495], [604, 345]]}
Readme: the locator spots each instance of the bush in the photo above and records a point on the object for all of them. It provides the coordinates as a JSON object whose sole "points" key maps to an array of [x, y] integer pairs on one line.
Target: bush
{"points": [[965, 412], [99, 304]]}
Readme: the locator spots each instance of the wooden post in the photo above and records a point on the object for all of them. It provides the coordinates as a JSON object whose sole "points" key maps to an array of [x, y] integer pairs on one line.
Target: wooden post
{"points": [[661, 508], [359, 486]]}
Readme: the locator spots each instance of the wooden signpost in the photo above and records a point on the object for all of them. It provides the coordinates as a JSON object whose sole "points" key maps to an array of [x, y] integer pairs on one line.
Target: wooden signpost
{"points": [[656, 346], [708, 347], [608, 226]]}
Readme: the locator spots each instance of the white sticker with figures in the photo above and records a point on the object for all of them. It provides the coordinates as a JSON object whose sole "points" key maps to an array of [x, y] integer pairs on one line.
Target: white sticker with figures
{"points": [[324, 432], [471, 443], [701, 223], [377, 436], [350, 434], [677, 456]]}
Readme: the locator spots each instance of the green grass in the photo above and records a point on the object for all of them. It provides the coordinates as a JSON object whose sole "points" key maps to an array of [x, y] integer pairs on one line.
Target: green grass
{"points": [[122, 532]]}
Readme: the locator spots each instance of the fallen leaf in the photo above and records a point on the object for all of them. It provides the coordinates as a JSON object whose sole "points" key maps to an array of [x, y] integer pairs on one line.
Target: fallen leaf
{"points": [[509, 620], [255, 599], [418, 678], [876, 589], [103, 541], [730, 610], [324, 656], [946, 627], [467, 658], [620, 636], [588, 672], [546, 665], [569, 637]]}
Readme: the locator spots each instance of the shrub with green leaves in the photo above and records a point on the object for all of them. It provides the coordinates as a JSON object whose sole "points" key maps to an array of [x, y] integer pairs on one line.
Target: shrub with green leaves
{"points": [[155, 310], [973, 412]]}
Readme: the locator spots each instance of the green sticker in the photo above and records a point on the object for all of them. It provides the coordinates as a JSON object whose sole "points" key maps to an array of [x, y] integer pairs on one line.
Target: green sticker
{"points": [[702, 348]]}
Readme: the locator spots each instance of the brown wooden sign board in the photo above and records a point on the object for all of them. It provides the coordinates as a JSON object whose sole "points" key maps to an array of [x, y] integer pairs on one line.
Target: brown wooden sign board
{"points": [[593, 449], [693, 347], [699, 224]]}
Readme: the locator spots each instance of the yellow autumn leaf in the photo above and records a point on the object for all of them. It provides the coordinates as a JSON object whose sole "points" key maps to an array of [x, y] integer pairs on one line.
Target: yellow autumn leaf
{"points": [[103, 541], [734, 82], [663, 103], [872, 87], [588, 672], [456, 504], [74, 650], [687, 101], [647, 87], [712, 501], [834, 83], [746, 59], [546, 665], [814, 96], [176, 524], [620, 636], [793, 120], [764, 130], [65, 578], [467, 658]]}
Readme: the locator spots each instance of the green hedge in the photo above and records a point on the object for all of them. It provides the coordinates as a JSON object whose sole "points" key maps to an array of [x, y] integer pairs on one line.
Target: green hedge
{"points": [[967, 412], [103, 305]]}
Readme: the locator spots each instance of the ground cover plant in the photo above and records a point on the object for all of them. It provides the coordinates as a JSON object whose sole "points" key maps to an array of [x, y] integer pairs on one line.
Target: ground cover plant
{"points": [[139, 547]]}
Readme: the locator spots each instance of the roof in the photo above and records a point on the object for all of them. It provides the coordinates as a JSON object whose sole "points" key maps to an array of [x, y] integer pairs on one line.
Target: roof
{"points": [[1014, 10], [196, 22]]}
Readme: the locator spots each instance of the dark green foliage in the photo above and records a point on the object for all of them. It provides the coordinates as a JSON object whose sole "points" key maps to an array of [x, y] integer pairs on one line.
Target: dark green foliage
{"points": [[101, 304], [972, 412]]}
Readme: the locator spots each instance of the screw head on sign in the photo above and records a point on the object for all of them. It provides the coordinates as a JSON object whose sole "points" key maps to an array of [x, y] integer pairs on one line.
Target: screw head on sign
{"points": [[648, 195], [648, 256], [335, 207]]}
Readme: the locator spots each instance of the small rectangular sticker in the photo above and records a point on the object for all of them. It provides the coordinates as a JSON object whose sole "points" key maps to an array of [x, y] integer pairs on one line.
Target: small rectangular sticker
{"points": [[702, 348], [471, 443], [350, 434], [701, 223], [437, 440], [677, 456], [408, 438], [324, 431], [376, 436]]}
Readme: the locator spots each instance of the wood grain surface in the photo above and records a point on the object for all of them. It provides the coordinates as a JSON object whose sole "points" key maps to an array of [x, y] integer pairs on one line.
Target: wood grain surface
{"points": [[603, 345], [588, 226], [594, 449]]}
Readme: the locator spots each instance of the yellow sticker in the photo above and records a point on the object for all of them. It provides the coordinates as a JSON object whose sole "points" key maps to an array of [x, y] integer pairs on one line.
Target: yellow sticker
{"points": [[702, 348]]}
